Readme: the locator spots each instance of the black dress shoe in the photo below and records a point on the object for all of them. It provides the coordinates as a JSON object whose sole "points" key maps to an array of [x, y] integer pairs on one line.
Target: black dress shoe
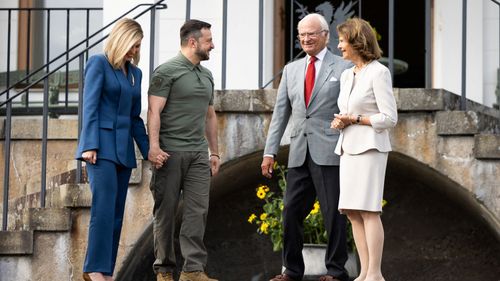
{"points": [[328, 278], [283, 277]]}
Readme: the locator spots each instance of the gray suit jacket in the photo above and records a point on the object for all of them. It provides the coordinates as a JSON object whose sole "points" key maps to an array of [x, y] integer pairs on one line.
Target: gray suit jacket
{"points": [[310, 128]]}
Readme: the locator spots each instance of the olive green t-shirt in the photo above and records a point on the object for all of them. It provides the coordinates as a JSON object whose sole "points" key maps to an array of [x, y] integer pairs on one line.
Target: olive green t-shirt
{"points": [[189, 90]]}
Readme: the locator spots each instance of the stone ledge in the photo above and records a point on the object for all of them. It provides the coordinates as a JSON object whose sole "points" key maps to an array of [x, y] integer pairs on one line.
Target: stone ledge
{"points": [[245, 100], [16, 242], [465, 123], [47, 219], [31, 128], [75, 195], [487, 146], [419, 99]]}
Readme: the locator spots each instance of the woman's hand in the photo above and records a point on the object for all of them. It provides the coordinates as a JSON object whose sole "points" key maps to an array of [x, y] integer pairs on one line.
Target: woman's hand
{"points": [[341, 121], [90, 156]]}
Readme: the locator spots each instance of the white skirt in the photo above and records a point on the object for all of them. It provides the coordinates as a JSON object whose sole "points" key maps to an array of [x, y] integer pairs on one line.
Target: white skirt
{"points": [[362, 179]]}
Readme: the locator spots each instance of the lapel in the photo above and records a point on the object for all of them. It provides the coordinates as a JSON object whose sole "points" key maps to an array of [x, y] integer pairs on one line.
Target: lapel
{"points": [[324, 73], [349, 82], [300, 78], [125, 100]]}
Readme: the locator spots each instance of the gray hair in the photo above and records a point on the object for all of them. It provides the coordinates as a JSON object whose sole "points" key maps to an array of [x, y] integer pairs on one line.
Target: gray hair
{"points": [[320, 18]]}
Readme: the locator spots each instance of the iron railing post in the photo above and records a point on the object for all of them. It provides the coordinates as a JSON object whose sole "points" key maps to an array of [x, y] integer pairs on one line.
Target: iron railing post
{"points": [[152, 29], [224, 45], [391, 38], [292, 39], [80, 113], [464, 54], [45, 117], [7, 131], [66, 85], [428, 53], [28, 44], [188, 10], [261, 40], [87, 24]]}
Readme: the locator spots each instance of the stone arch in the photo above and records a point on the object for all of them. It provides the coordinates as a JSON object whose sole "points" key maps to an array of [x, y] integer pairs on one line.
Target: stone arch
{"points": [[433, 227]]}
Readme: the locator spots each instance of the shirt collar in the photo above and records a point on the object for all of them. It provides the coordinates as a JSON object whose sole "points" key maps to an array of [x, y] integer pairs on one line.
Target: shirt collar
{"points": [[188, 63], [320, 56]]}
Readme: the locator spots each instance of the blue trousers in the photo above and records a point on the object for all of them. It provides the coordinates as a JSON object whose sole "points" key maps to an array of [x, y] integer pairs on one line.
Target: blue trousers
{"points": [[109, 184]]}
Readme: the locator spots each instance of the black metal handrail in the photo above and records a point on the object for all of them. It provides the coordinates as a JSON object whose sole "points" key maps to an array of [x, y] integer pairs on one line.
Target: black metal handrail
{"points": [[66, 53], [8, 102], [28, 34], [498, 72], [162, 6]]}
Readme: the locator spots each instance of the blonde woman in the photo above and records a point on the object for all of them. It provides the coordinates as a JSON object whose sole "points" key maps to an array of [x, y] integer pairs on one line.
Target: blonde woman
{"points": [[367, 110], [111, 122]]}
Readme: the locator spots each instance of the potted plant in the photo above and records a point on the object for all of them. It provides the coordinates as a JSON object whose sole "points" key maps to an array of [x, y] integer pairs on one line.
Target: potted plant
{"points": [[269, 221]]}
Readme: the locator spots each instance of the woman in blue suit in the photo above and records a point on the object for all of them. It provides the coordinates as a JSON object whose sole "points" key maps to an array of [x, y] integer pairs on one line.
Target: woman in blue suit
{"points": [[111, 109]]}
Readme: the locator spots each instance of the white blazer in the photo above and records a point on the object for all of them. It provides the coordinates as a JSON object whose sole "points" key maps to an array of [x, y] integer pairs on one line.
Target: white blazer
{"points": [[369, 93]]}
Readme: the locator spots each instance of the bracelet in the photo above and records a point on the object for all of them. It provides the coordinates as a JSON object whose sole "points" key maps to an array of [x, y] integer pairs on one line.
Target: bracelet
{"points": [[358, 119], [216, 155]]}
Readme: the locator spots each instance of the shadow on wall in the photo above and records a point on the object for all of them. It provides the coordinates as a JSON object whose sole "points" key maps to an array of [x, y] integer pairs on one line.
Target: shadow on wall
{"points": [[432, 231]]}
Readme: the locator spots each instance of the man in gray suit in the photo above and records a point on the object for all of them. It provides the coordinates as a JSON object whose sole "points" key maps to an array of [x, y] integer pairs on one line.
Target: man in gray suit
{"points": [[309, 97]]}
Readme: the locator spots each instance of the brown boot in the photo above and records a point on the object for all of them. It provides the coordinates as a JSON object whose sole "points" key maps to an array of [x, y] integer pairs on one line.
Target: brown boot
{"points": [[195, 276], [164, 276]]}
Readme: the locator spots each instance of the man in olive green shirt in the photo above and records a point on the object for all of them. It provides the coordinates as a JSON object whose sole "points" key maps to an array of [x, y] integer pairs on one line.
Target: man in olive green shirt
{"points": [[182, 128]]}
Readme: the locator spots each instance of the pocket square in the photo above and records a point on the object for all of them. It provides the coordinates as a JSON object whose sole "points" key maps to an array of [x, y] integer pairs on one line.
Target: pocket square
{"points": [[333, 79]]}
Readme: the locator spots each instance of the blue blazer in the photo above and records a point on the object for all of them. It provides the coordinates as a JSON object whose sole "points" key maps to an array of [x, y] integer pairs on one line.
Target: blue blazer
{"points": [[111, 113]]}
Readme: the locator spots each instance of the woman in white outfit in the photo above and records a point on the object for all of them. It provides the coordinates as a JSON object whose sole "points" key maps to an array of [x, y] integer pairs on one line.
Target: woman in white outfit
{"points": [[367, 111]]}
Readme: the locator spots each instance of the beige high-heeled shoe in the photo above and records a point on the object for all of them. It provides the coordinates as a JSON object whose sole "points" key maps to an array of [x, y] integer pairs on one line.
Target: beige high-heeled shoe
{"points": [[86, 277]]}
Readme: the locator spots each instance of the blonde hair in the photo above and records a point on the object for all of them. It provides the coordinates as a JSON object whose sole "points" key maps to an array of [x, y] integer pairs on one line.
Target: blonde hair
{"points": [[122, 38]]}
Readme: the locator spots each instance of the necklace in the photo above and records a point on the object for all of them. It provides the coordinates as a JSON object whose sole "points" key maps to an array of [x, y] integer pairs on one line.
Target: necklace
{"points": [[357, 69]]}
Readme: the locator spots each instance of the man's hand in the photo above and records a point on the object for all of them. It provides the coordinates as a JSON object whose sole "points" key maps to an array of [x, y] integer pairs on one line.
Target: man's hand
{"points": [[267, 166], [90, 156], [157, 157], [214, 165]]}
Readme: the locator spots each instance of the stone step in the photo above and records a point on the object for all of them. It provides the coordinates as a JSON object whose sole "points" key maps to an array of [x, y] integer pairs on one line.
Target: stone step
{"points": [[487, 146], [428, 100], [464, 123], [73, 196], [16, 242], [31, 128], [46, 219]]}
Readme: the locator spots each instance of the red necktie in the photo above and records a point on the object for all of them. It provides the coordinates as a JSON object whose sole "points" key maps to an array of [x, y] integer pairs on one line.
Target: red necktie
{"points": [[310, 77]]}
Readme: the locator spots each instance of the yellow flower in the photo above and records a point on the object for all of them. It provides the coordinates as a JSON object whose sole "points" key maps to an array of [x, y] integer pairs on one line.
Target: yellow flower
{"points": [[252, 218], [263, 227], [263, 216], [261, 193], [315, 210], [384, 202]]}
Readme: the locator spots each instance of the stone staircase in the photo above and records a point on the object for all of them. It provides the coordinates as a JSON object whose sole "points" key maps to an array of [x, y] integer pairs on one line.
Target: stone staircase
{"points": [[61, 226]]}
